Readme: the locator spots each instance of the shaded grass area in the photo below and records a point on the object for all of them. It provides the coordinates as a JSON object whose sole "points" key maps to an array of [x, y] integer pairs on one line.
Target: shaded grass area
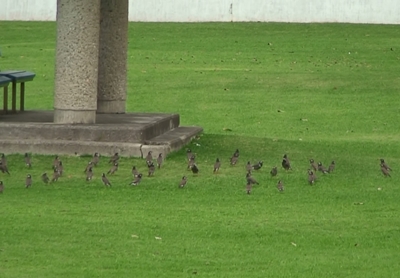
{"points": [[335, 86]]}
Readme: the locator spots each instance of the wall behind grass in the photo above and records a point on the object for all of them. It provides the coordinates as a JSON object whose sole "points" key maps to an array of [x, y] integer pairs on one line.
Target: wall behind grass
{"points": [[352, 11]]}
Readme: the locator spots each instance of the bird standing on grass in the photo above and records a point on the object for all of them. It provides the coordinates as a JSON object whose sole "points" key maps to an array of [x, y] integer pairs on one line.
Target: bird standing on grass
{"points": [[105, 181], [274, 171], [383, 163], [249, 167], [321, 168], [3, 159], [258, 165], [313, 165], [152, 168], [280, 186], [189, 154], [89, 166], [113, 169], [332, 167], [249, 186], [28, 181], [194, 168], [311, 177], [160, 160], [250, 179], [56, 175], [191, 161], [149, 157], [286, 163], [45, 178], [137, 179], [135, 172], [114, 158], [4, 168], [1, 187], [96, 159], [56, 162], [89, 175], [27, 160], [60, 168], [183, 182], [235, 157], [217, 165], [385, 170]]}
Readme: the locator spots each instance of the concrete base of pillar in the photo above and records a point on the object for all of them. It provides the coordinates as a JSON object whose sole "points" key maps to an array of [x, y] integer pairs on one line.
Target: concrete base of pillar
{"points": [[74, 116], [110, 106]]}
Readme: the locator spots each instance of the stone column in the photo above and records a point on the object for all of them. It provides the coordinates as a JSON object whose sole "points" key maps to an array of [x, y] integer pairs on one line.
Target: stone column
{"points": [[113, 56], [77, 56]]}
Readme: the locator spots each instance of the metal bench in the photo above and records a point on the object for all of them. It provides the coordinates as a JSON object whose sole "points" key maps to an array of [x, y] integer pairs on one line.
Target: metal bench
{"points": [[21, 77], [4, 81]]}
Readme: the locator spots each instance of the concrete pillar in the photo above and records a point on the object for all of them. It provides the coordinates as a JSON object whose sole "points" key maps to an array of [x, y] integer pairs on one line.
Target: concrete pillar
{"points": [[113, 56], [77, 56]]}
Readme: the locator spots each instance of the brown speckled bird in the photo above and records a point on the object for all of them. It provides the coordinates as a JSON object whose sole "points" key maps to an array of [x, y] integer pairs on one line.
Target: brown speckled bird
{"points": [[217, 165], [280, 186], [258, 165], [135, 171], [183, 182], [332, 167], [251, 179], [160, 160], [137, 179], [152, 168], [96, 159], [105, 181], [89, 175], [113, 169], [274, 171], [249, 167], [28, 181], [286, 163], [149, 157], [249, 186], [311, 177], [313, 165], [385, 171], [27, 160], [4, 168], [114, 158], [56, 175], [321, 168], [1, 187], [45, 178], [385, 165]]}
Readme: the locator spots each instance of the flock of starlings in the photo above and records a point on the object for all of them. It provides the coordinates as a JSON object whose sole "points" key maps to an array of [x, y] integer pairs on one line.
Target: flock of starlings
{"points": [[58, 169]]}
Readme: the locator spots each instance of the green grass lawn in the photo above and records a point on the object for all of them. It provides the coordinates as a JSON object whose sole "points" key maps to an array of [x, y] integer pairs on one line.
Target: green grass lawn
{"points": [[322, 91]]}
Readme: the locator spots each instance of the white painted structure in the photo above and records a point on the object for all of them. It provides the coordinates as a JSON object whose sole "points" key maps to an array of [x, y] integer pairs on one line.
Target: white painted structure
{"points": [[353, 11]]}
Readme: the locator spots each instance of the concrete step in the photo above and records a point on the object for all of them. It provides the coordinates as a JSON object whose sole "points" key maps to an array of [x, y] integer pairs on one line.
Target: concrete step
{"points": [[129, 127]]}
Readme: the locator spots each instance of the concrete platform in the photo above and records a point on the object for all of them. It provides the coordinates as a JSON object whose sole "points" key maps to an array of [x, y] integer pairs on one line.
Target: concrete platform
{"points": [[130, 134]]}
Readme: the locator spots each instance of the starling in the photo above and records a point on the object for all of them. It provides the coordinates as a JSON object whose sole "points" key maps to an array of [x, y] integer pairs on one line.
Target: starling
{"points": [[217, 165], [149, 157], [4, 168], [189, 154], [60, 168], [385, 170], [385, 165], [114, 158], [89, 166], [28, 160], [249, 186], [113, 169], [331, 167], [96, 159], [250, 179], [280, 186], [45, 178], [137, 179], [274, 171], [234, 160], [159, 160], [286, 163], [183, 182], [89, 174], [105, 180], [3, 159], [311, 177], [56, 162], [152, 168], [258, 165], [313, 165], [56, 175], [191, 161], [135, 172], [1, 187], [249, 167], [322, 168], [194, 168], [28, 181], [236, 153]]}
